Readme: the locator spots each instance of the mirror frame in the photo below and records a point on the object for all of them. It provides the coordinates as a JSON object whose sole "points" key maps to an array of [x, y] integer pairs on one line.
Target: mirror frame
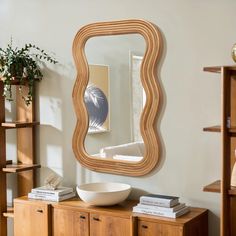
{"points": [[148, 74]]}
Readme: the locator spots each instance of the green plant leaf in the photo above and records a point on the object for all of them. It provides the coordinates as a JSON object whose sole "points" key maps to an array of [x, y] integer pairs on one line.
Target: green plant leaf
{"points": [[17, 63]]}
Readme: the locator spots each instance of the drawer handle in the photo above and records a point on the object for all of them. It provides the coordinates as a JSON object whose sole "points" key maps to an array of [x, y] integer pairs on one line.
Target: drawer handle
{"points": [[82, 217], [144, 226], [96, 218], [40, 211]]}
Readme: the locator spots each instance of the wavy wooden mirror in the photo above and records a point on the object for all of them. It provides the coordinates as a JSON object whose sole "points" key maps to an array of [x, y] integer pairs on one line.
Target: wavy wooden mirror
{"points": [[148, 75]]}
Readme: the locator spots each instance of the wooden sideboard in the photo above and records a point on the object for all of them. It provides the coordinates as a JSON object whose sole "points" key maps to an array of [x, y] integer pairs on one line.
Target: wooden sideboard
{"points": [[76, 218]]}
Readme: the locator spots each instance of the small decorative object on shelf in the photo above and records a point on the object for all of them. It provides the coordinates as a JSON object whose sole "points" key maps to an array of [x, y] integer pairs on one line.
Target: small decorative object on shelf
{"points": [[161, 205], [21, 65], [233, 52], [53, 181], [233, 174], [52, 191]]}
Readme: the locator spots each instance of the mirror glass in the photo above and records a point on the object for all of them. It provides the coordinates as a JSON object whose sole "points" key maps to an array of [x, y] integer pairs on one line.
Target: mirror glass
{"points": [[115, 97]]}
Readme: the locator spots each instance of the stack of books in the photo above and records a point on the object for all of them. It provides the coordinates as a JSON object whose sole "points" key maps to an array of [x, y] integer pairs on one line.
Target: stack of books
{"points": [[161, 205], [57, 195]]}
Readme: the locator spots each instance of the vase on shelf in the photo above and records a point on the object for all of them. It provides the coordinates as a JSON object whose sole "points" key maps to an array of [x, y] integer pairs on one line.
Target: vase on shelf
{"points": [[233, 52]]}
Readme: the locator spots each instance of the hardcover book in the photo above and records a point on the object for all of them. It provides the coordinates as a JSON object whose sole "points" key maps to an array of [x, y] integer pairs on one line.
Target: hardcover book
{"points": [[159, 200], [57, 192], [176, 214], [160, 208], [44, 197]]}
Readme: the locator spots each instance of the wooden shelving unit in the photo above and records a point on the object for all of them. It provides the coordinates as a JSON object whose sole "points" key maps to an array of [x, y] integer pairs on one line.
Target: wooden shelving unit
{"points": [[218, 69], [14, 168], [213, 187], [228, 143], [217, 128], [19, 124], [25, 167], [9, 213]]}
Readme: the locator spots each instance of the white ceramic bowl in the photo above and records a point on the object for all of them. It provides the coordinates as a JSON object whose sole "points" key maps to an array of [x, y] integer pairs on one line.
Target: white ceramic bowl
{"points": [[103, 194]]}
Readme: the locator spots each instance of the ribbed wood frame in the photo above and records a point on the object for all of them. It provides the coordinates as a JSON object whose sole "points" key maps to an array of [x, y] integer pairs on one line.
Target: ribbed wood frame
{"points": [[150, 83]]}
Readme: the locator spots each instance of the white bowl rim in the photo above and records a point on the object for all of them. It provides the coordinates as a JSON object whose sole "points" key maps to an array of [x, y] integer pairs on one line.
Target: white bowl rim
{"points": [[126, 187]]}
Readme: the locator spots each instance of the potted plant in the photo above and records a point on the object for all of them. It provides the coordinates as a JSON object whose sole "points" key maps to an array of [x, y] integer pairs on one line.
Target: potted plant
{"points": [[22, 65]]}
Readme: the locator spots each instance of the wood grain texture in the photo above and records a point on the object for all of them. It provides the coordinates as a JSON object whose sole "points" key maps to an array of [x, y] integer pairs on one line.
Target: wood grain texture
{"points": [[69, 222], [146, 228], [31, 219], [195, 223], [9, 213], [232, 149], [25, 142], [25, 153], [213, 187], [101, 225], [228, 143], [217, 128], [14, 168], [197, 227], [12, 125], [118, 220], [123, 209], [3, 185], [216, 188], [150, 83], [217, 69], [225, 140]]}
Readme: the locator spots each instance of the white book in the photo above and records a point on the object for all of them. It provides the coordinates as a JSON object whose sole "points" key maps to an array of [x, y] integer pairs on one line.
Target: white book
{"points": [[159, 200], [57, 192], [50, 198], [162, 213], [159, 208]]}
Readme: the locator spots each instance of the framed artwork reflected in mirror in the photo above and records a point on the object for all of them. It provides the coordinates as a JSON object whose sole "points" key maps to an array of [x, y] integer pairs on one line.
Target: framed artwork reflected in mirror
{"points": [[96, 99]]}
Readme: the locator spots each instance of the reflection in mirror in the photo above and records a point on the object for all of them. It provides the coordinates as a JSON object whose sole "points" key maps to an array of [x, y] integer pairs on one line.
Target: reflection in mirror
{"points": [[138, 97], [114, 97], [96, 99]]}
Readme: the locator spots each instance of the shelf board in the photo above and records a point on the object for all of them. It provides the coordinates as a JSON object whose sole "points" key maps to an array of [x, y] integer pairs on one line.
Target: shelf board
{"points": [[217, 128], [8, 162], [215, 188], [232, 191], [16, 81], [217, 69], [9, 213], [18, 124], [14, 168]]}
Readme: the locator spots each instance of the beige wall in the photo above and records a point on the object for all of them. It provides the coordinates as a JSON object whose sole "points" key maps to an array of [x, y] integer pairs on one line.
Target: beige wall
{"points": [[196, 34]]}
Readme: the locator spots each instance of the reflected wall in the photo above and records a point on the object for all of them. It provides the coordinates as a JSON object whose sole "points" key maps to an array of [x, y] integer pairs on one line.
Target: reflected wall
{"points": [[122, 55]]}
